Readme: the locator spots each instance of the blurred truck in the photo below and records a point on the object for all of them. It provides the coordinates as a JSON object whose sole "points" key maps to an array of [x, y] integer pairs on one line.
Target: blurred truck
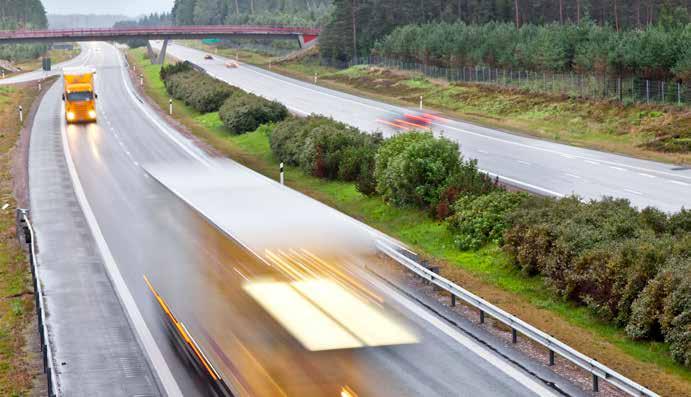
{"points": [[79, 95]]}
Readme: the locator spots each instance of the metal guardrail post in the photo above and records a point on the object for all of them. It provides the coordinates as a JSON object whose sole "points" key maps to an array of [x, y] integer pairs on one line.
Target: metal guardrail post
{"points": [[482, 317], [553, 345], [551, 357]]}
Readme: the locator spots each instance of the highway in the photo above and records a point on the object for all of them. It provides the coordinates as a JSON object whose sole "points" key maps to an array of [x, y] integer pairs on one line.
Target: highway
{"points": [[80, 60], [230, 299], [536, 165]]}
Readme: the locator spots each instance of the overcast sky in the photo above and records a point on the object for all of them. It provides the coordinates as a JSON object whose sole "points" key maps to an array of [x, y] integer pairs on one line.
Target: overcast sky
{"points": [[121, 7]]}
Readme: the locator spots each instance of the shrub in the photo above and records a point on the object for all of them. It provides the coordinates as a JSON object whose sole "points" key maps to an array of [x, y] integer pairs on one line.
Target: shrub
{"points": [[413, 168], [246, 112], [173, 68], [468, 181], [205, 94], [326, 148], [481, 219]]}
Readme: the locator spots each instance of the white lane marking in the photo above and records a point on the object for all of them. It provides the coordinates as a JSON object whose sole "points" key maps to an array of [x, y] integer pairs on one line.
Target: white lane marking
{"points": [[158, 363], [524, 184], [634, 192], [592, 162], [492, 358], [523, 162], [617, 168], [568, 156], [483, 151], [679, 183], [286, 80], [144, 110], [647, 175], [574, 176], [240, 273]]}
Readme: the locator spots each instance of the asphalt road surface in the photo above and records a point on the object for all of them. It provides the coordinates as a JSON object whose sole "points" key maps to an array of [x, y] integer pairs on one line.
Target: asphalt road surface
{"points": [[536, 165], [227, 297], [80, 60]]}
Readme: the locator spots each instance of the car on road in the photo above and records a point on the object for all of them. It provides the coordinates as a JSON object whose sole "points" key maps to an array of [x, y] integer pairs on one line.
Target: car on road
{"points": [[232, 64], [207, 56]]}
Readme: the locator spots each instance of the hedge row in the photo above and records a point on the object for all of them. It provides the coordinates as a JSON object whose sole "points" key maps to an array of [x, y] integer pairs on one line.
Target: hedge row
{"points": [[631, 267], [244, 112], [240, 112], [327, 149], [203, 93]]}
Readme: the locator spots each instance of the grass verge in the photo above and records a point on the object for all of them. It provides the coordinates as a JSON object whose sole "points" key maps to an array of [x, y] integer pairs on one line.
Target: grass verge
{"points": [[16, 292], [485, 272], [56, 56], [661, 133]]}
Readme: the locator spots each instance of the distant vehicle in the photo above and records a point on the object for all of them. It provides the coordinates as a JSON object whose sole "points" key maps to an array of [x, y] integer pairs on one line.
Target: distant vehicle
{"points": [[232, 64], [79, 95], [413, 121], [207, 56]]}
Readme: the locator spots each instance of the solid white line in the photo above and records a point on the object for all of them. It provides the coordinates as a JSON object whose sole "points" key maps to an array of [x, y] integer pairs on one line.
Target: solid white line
{"points": [[647, 175], [144, 110], [679, 183], [492, 358], [524, 184], [634, 192], [158, 363]]}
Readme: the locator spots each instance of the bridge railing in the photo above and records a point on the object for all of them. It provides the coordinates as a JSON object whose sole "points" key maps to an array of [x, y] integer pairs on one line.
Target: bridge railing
{"points": [[158, 31]]}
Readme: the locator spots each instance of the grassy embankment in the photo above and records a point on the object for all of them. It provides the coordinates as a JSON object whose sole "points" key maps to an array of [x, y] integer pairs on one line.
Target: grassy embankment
{"points": [[485, 272], [16, 299], [653, 132], [56, 56]]}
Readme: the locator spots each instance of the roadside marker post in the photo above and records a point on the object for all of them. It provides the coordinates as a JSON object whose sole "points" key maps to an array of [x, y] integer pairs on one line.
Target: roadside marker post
{"points": [[281, 174], [3, 73], [141, 80], [21, 114], [170, 106], [39, 85], [316, 76], [421, 103]]}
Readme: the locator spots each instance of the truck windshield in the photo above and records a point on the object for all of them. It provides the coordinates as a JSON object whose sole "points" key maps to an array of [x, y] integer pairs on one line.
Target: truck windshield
{"points": [[79, 96]]}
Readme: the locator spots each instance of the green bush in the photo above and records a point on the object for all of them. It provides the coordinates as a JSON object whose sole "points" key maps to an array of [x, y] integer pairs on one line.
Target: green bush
{"points": [[628, 266], [414, 168], [203, 93], [481, 219], [173, 68], [243, 113], [327, 149]]}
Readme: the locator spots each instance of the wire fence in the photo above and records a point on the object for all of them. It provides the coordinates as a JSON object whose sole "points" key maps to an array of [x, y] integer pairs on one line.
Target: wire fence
{"points": [[625, 90]]}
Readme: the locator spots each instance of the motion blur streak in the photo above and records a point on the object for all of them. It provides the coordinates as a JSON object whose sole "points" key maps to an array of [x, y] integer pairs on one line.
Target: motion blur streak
{"points": [[200, 261]]}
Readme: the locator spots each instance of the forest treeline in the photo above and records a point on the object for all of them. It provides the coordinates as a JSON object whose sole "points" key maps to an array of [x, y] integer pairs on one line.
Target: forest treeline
{"points": [[656, 52], [22, 14], [643, 36], [261, 12]]}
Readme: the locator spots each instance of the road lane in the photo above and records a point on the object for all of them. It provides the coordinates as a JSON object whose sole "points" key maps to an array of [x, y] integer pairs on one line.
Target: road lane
{"points": [[79, 60], [201, 273], [540, 166]]}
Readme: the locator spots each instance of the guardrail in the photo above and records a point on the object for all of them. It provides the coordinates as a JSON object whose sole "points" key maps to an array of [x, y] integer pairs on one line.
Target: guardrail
{"points": [[28, 237], [596, 369]]}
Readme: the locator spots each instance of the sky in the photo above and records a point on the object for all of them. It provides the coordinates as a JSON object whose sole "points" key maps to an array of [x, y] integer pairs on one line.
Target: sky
{"points": [[119, 7]]}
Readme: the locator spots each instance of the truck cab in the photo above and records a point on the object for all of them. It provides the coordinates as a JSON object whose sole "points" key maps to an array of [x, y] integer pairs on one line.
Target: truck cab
{"points": [[79, 95]]}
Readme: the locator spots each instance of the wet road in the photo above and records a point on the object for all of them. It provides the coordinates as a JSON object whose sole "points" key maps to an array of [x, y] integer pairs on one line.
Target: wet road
{"points": [[540, 166], [230, 300]]}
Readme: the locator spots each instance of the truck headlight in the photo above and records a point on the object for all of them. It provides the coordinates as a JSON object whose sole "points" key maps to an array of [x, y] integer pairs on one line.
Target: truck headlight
{"points": [[92, 114], [70, 115]]}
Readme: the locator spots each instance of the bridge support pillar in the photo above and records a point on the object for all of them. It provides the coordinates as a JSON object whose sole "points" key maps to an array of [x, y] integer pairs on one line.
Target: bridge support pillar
{"points": [[162, 54], [150, 51], [307, 40]]}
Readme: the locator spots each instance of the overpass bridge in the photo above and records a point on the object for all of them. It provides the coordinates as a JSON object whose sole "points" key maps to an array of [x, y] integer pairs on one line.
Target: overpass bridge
{"points": [[305, 36]]}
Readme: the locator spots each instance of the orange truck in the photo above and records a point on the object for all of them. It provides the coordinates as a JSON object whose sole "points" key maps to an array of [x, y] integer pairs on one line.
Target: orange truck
{"points": [[79, 95]]}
